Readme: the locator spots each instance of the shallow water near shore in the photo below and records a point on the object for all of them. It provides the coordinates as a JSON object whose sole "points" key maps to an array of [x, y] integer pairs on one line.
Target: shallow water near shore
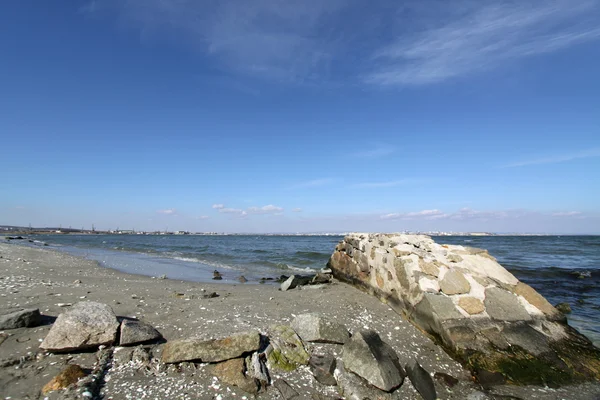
{"points": [[556, 266]]}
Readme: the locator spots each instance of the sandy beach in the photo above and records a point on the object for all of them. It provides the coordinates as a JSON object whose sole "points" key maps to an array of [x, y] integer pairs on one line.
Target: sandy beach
{"points": [[52, 281]]}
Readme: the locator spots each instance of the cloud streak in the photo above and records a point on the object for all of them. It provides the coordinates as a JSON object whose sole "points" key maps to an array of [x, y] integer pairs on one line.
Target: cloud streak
{"points": [[381, 185], [168, 211], [468, 214], [268, 209], [484, 35], [385, 43], [311, 184], [590, 153]]}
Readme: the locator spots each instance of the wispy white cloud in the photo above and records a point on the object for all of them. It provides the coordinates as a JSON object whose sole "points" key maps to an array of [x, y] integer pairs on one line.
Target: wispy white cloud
{"points": [[473, 35], [376, 152], [311, 184], [559, 158], [269, 209], [383, 184], [297, 209], [567, 214], [404, 43], [202, 217], [168, 211], [425, 214], [468, 214]]}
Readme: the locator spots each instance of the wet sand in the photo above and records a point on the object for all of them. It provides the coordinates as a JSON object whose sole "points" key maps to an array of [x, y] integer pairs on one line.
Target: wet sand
{"points": [[49, 280]]}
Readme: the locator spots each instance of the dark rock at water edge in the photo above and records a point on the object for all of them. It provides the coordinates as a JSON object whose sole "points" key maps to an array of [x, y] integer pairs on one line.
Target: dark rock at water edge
{"points": [[27, 318], [564, 308]]}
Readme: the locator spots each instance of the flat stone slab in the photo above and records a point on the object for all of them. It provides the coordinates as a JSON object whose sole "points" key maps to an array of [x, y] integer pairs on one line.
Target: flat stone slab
{"points": [[369, 357], [315, 328], [214, 350], [454, 282], [134, 332], [86, 325], [27, 318], [322, 368], [504, 306]]}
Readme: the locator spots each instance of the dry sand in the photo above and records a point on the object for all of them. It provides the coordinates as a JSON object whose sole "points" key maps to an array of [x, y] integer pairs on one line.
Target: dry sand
{"points": [[48, 280]]}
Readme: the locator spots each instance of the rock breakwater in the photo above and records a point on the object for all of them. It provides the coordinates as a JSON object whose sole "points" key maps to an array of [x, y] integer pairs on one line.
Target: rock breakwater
{"points": [[477, 310]]}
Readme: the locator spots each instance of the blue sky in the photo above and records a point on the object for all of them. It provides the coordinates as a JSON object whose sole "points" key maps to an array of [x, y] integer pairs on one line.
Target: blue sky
{"points": [[301, 115]]}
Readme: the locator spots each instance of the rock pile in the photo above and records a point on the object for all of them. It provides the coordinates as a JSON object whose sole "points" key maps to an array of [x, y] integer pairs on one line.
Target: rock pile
{"points": [[481, 313], [368, 366]]}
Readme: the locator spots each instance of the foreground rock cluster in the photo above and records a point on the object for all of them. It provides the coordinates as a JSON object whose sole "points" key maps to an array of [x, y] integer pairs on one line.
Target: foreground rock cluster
{"points": [[482, 314], [368, 366]]}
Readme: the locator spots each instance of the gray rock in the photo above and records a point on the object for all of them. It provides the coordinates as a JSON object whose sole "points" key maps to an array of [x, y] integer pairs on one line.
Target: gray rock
{"points": [[433, 310], [314, 328], [421, 380], [122, 356], [134, 332], [27, 318], [285, 351], [354, 388], [287, 392], [504, 306], [454, 282], [86, 325], [214, 350], [476, 395], [320, 278], [369, 357], [322, 368]]}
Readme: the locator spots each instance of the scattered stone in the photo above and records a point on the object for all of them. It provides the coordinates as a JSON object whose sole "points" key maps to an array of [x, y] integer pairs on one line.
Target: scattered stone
{"points": [[471, 305], [564, 308], [446, 379], [369, 357], [242, 279], [210, 295], [162, 276], [285, 351], [314, 328], [353, 387], [504, 306], [69, 376], [27, 318], [232, 373], [287, 392], [454, 282], [214, 350], [77, 281], [421, 380], [322, 368], [217, 275], [86, 325], [134, 332]]}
